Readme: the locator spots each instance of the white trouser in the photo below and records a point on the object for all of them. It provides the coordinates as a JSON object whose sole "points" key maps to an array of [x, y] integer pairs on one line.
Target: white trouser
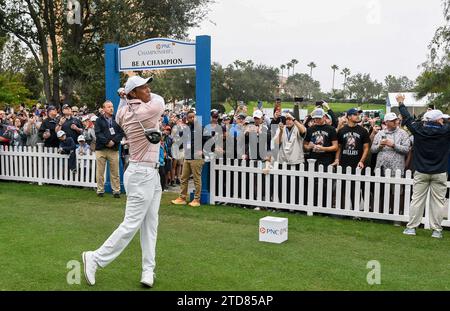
{"points": [[143, 188]]}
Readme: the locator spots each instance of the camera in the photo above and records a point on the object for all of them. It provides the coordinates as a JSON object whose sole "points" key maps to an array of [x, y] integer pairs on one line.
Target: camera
{"points": [[298, 99], [319, 103]]}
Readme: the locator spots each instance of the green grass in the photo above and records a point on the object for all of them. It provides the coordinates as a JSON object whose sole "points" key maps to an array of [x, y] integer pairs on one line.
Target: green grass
{"points": [[337, 107], [206, 248]]}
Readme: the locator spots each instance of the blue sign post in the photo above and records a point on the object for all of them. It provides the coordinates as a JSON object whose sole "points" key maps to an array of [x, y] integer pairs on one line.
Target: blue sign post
{"points": [[203, 98], [147, 59]]}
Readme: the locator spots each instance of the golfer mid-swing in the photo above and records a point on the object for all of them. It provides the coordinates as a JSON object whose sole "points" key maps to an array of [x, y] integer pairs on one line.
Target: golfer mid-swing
{"points": [[139, 118]]}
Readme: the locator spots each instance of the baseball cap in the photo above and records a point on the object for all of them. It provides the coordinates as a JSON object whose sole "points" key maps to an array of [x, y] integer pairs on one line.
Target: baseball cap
{"points": [[353, 111], [51, 108], [242, 116], [75, 108], [84, 118], [433, 115], [318, 113], [214, 113], [257, 114], [94, 118], [60, 134], [81, 138], [65, 106], [446, 116], [390, 116], [134, 82]]}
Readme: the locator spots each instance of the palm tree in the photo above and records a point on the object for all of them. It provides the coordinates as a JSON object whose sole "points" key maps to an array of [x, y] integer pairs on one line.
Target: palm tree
{"points": [[345, 72], [282, 67], [311, 65], [294, 62], [288, 66], [334, 67]]}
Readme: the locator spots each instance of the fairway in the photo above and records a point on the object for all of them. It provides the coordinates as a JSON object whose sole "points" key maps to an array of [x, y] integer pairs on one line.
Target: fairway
{"points": [[206, 248]]}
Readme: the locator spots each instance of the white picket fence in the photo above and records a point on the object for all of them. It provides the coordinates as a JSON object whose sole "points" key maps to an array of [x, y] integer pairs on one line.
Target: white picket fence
{"points": [[45, 166], [238, 182]]}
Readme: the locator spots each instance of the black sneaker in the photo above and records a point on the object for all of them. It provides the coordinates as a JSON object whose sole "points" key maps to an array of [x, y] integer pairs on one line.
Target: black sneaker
{"points": [[116, 196], [172, 184], [177, 181], [100, 194]]}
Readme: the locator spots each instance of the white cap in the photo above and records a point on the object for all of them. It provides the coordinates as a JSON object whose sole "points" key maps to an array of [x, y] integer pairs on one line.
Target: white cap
{"points": [[134, 82], [81, 138], [84, 118], [433, 115], [60, 134], [446, 116], [318, 113], [390, 116], [120, 90], [94, 118], [257, 114]]}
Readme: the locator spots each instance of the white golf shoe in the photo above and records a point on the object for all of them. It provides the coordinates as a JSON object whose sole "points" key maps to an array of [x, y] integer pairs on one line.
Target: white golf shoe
{"points": [[147, 279], [90, 267]]}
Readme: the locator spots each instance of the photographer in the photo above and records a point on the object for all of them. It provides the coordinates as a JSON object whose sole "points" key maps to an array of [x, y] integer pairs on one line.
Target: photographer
{"points": [[31, 130], [69, 124], [47, 130]]}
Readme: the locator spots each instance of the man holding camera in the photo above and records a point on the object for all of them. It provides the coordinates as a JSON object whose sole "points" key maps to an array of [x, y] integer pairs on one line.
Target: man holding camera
{"points": [[47, 131], [139, 119], [69, 124]]}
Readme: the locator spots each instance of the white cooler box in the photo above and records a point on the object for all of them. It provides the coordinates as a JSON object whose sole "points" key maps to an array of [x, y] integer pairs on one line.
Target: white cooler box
{"points": [[273, 229]]}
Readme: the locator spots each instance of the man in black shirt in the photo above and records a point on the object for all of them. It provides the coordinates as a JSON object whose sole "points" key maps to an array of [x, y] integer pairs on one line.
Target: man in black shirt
{"points": [[354, 144], [321, 140], [47, 130], [70, 125]]}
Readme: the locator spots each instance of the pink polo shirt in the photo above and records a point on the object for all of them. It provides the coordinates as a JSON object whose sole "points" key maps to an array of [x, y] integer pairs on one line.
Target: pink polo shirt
{"points": [[141, 150]]}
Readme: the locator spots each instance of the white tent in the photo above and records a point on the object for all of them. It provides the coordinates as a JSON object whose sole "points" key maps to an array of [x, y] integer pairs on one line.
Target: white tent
{"points": [[413, 104]]}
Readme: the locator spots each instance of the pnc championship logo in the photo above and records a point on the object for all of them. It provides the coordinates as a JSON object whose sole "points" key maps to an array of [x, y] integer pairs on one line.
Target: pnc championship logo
{"points": [[160, 46], [262, 230]]}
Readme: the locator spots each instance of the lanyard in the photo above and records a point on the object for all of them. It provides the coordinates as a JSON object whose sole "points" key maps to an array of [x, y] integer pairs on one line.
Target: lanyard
{"points": [[289, 133]]}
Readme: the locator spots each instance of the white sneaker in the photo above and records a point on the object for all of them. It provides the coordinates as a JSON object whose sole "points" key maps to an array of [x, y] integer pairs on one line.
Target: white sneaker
{"points": [[409, 231], [437, 234], [90, 267], [257, 209], [147, 279]]}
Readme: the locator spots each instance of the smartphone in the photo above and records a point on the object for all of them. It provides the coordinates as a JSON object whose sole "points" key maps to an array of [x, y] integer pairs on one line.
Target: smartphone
{"points": [[319, 103], [378, 123], [298, 99]]}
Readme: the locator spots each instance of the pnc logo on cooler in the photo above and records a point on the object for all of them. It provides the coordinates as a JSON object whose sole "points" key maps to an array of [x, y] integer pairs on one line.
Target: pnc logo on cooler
{"points": [[273, 231]]}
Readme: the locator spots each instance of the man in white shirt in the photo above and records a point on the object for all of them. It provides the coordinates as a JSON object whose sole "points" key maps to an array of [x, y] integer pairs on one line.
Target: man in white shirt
{"points": [[143, 110]]}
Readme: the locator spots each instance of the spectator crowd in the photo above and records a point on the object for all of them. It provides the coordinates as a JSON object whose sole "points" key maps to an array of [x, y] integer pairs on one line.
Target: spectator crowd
{"points": [[351, 139]]}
